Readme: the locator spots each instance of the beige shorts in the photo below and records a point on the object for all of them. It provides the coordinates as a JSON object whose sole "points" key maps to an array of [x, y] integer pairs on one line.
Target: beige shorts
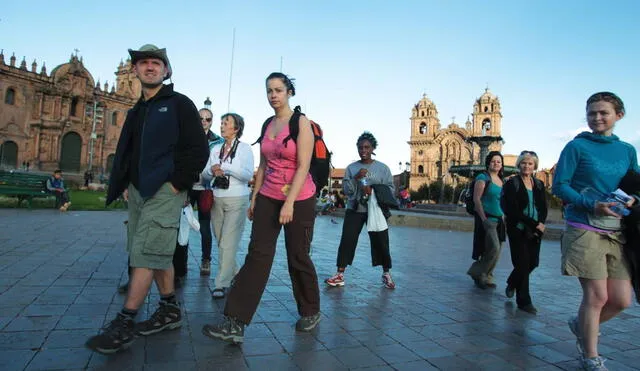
{"points": [[593, 255]]}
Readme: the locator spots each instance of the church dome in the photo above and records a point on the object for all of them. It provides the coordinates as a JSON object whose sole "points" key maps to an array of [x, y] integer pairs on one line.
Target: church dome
{"points": [[74, 67], [488, 96], [425, 102]]}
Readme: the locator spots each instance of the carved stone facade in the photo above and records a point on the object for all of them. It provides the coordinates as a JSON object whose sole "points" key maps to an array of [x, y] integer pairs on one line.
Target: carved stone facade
{"points": [[434, 150], [48, 120]]}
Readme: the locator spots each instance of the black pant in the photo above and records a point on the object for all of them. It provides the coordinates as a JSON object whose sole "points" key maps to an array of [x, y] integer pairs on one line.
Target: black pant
{"points": [[353, 223], [249, 284], [61, 198], [525, 256], [205, 225]]}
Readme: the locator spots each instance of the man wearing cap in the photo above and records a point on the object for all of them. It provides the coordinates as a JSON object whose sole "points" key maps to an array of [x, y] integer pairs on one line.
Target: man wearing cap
{"points": [[160, 153]]}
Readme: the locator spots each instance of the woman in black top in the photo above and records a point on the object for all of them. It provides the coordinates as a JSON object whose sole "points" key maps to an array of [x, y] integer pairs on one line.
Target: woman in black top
{"points": [[524, 203]]}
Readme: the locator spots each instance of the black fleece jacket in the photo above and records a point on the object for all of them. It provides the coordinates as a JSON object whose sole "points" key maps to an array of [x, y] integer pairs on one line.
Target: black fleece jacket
{"points": [[161, 141], [516, 201]]}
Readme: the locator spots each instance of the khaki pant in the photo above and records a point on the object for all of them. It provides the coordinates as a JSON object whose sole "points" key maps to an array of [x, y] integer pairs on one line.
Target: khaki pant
{"points": [[482, 269], [229, 215], [152, 230]]}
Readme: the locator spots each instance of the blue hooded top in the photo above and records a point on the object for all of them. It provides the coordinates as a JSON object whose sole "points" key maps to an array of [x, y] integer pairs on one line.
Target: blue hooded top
{"points": [[591, 161]]}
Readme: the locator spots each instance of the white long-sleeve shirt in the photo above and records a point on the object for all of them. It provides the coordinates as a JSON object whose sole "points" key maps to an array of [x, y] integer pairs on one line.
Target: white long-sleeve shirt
{"points": [[239, 170]]}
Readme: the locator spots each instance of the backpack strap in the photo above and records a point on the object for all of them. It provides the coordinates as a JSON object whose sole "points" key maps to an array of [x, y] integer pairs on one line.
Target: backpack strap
{"points": [[294, 126], [263, 131]]}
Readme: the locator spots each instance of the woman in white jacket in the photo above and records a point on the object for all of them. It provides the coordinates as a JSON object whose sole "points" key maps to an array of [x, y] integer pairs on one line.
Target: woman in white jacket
{"points": [[230, 168]]}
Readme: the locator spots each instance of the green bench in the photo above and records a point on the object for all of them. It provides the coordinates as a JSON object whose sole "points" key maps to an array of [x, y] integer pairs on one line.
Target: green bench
{"points": [[23, 186]]}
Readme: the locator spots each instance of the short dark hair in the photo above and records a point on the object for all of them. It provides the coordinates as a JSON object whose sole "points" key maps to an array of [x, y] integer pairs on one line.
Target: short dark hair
{"points": [[368, 136], [607, 96], [57, 171], [487, 162], [286, 80], [238, 122]]}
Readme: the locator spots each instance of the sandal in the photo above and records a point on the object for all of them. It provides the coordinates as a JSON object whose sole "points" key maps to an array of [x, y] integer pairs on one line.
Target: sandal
{"points": [[218, 293]]}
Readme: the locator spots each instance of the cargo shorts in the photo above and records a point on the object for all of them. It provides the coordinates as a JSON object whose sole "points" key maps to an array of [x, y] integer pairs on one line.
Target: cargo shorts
{"points": [[152, 230], [594, 255]]}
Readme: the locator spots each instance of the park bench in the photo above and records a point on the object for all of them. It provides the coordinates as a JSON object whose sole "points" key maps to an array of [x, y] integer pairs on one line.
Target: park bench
{"points": [[23, 186]]}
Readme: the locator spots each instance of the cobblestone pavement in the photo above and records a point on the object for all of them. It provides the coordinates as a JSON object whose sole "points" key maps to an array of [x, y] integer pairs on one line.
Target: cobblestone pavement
{"points": [[59, 272]]}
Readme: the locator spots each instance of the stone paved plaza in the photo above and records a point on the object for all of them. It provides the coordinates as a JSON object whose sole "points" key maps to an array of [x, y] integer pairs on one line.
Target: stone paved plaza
{"points": [[59, 273]]}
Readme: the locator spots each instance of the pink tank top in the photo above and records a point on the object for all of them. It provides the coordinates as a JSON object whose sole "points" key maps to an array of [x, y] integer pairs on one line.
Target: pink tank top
{"points": [[281, 167]]}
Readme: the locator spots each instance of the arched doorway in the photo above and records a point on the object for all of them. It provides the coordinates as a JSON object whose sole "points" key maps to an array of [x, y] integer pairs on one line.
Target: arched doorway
{"points": [[70, 153], [9, 155], [110, 158]]}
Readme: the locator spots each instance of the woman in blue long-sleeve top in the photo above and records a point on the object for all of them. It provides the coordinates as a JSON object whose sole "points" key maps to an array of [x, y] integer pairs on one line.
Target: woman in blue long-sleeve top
{"points": [[590, 167]]}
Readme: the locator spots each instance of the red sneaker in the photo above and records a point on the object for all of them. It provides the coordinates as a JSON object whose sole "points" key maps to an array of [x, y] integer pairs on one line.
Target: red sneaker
{"points": [[335, 280], [388, 281]]}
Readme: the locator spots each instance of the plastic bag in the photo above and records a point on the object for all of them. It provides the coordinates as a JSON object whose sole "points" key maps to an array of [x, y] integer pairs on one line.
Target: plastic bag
{"points": [[375, 219], [187, 222]]}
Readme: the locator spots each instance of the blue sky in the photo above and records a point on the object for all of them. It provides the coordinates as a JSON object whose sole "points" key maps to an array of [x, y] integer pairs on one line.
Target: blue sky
{"points": [[361, 65]]}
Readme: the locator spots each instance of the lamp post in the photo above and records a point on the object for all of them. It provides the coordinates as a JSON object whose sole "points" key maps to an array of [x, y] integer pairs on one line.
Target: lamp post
{"points": [[407, 174], [96, 114], [207, 104]]}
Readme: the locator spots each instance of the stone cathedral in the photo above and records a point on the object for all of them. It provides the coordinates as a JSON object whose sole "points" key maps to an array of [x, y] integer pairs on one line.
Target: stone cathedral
{"points": [[47, 119], [434, 149]]}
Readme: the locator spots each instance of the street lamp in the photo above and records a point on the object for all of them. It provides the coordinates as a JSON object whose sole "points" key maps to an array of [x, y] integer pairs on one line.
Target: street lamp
{"points": [[96, 113], [407, 173], [207, 104]]}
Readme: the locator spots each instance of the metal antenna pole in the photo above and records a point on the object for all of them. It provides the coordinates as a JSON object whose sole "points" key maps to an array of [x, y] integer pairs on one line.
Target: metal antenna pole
{"points": [[233, 46]]}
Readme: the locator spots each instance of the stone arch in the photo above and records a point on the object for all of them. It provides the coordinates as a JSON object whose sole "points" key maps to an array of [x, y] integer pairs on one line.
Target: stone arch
{"points": [[423, 128], [420, 169], [71, 152], [9, 155]]}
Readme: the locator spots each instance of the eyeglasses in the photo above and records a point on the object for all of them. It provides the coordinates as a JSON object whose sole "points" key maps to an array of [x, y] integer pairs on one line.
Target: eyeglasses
{"points": [[528, 153], [207, 119]]}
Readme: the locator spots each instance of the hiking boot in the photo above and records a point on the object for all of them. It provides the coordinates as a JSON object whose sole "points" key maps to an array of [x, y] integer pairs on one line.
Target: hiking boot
{"points": [[335, 280], [308, 323], [205, 269], [593, 364], [167, 317], [118, 335], [230, 330], [388, 281], [124, 288]]}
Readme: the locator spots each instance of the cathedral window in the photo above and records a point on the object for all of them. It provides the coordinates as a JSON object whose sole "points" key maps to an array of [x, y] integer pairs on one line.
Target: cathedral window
{"points": [[420, 153], [10, 96], [422, 113], [74, 106], [423, 128], [486, 109], [420, 169], [114, 118]]}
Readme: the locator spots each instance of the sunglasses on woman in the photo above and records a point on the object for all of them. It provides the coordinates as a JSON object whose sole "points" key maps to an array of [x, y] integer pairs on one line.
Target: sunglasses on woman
{"points": [[207, 119]]}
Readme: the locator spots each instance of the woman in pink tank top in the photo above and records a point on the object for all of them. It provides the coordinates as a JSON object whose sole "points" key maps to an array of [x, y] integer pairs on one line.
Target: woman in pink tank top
{"points": [[283, 195]]}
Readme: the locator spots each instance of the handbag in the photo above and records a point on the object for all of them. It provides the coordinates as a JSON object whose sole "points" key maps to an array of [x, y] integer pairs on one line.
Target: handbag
{"points": [[205, 201]]}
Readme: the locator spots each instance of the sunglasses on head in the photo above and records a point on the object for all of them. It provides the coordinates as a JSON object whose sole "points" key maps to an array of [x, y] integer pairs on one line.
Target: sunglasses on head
{"points": [[207, 119], [528, 153]]}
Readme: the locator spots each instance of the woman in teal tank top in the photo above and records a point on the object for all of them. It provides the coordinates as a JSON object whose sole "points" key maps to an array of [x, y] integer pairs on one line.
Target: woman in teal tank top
{"points": [[489, 228]]}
